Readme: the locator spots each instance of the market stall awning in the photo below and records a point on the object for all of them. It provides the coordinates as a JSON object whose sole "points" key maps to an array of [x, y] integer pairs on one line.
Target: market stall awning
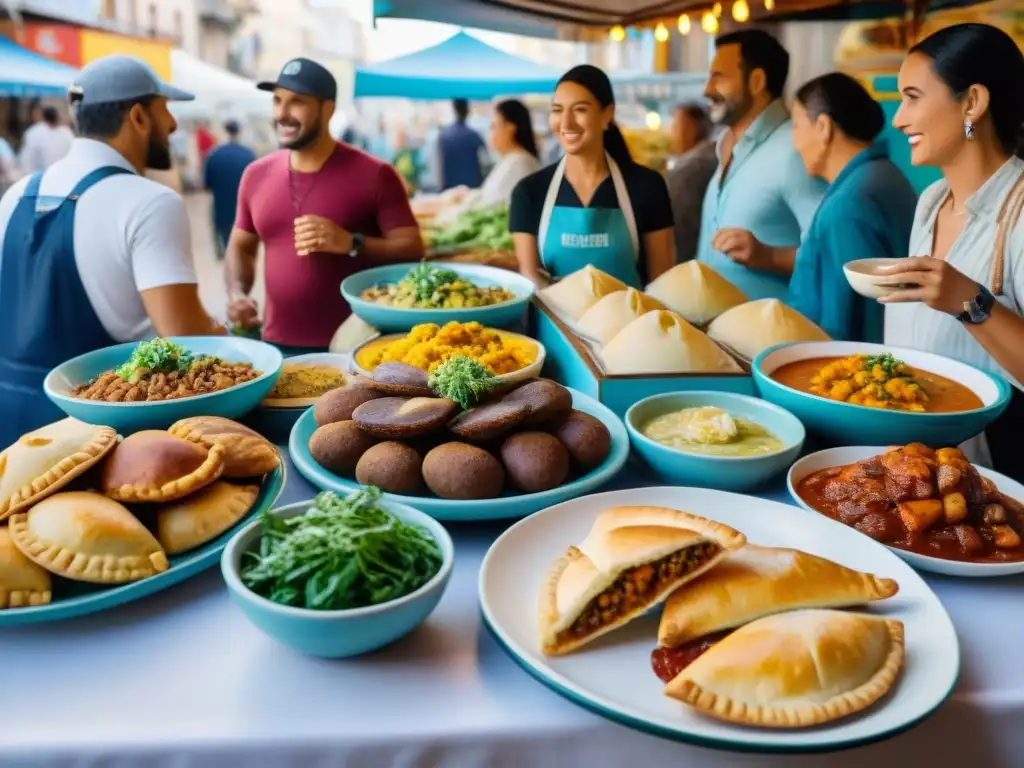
{"points": [[218, 93], [25, 73], [460, 67]]}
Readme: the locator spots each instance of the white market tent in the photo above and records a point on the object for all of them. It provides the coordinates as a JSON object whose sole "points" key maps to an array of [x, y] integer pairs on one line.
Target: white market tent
{"points": [[219, 94]]}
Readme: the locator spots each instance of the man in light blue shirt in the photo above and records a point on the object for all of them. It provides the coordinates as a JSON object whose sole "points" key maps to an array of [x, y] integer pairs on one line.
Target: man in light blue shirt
{"points": [[760, 200]]}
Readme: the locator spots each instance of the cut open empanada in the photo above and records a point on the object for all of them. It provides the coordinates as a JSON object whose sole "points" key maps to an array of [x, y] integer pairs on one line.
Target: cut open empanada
{"points": [[795, 669], [191, 522], [22, 582], [84, 536], [759, 581], [632, 559], [246, 452], [153, 465], [43, 461]]}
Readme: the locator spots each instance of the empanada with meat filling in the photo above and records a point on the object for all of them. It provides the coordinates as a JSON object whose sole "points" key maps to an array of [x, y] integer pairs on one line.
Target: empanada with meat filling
{"points": [[795, 669], [632, 559], [153, 466], [760, 581]]}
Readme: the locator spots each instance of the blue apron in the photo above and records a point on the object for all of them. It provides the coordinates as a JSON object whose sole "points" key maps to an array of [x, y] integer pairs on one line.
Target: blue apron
{"points": [[606, 238], [45, 313]]}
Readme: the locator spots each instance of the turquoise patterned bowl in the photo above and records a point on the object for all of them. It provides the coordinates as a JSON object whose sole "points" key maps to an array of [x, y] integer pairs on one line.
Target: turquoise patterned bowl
{"points": [[338, 634], [846, 424], [724, 473], [231, 403], [395, 319]]}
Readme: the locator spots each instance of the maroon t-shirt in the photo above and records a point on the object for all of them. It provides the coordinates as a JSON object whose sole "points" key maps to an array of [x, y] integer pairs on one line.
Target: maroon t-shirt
{"points": [[352, 189]]}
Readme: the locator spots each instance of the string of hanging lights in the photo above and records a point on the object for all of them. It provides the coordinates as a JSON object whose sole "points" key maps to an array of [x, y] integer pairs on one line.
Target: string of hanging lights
{"points": [[740, 10]]}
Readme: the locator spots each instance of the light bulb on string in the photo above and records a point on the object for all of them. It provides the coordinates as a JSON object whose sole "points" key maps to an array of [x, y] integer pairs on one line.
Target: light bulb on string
{"points": [[709, 23], [661, 33], [769, 5], [617, 33], [741, 11], [717, 10], [684, 24], [653, 121]]}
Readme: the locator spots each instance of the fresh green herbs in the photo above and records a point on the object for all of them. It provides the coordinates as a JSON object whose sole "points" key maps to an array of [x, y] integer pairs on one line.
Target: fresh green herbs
{"points": [[427, 281], [156, 356], [463, 380], [342, 553], [486, 228], [890, 364]]}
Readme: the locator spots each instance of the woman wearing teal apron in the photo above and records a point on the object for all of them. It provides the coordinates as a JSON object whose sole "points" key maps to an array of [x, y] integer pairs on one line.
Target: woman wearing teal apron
{"points": [[596, 206]]}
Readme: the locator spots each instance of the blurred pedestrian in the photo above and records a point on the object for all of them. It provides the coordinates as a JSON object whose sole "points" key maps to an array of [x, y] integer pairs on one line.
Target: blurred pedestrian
{"points": [[222, 176], [690, 167], [513, 140], [45, 142], [460, 147], [322, 209]]}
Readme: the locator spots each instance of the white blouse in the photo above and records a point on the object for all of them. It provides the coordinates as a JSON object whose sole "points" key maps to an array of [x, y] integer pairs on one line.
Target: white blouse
{"points": [[510, 170], [917, 326]]}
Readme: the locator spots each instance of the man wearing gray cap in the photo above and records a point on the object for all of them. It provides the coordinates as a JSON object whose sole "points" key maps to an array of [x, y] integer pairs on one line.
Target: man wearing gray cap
{"points": [[91, 252]]}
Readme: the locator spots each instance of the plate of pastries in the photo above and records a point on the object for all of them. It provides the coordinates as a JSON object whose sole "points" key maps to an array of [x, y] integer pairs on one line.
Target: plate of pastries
{"points": [[719, 619], [90, 520]]}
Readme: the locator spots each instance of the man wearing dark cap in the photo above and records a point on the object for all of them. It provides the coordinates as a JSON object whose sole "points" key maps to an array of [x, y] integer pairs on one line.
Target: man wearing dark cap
{"points": [[222, 175], [323, 211], [93, 253]]}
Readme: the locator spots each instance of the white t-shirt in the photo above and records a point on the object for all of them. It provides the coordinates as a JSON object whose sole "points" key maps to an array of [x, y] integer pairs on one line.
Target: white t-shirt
{"points": [[131, 235], [43, 145], [510, 170]]}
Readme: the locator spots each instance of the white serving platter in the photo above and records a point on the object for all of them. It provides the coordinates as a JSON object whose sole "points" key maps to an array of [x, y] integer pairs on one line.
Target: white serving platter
{"points": [[835, 457], [612, 676]]}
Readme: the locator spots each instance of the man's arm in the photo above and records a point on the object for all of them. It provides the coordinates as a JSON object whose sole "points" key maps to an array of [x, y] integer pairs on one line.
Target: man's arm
{"points": [[175, 310], [240, 274]]}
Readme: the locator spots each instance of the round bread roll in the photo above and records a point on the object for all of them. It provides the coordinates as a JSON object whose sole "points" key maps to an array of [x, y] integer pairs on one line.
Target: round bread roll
{"points": [[695, 291], [755, 326], [663, 342], [576, 293], [614, 312]]}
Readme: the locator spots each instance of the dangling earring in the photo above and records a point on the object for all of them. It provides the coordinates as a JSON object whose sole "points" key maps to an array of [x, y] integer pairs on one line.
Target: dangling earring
{"points": [[969, 129]]}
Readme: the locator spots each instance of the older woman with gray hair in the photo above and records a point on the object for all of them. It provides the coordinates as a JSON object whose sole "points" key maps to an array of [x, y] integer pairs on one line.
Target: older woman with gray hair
{"points": [[690, 168]]}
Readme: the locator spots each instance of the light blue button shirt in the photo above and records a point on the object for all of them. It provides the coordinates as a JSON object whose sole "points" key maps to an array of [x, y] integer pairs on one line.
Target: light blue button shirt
{"points": [[766, 191]]}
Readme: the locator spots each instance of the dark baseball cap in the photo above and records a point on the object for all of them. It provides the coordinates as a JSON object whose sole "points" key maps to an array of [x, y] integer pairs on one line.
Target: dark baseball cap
{"points": [[121, 78], [304, 76]]}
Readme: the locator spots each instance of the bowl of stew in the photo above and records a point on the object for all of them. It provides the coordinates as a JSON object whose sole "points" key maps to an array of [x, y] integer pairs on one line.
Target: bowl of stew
{"points": [[852, 393]]}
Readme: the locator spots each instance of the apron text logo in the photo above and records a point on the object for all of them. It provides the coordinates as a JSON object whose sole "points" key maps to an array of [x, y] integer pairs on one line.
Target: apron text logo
{"points": [[598, 240]]}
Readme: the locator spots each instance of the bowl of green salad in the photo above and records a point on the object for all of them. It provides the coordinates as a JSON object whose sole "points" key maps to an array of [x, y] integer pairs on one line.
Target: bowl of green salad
{"points": [[339, 576]]}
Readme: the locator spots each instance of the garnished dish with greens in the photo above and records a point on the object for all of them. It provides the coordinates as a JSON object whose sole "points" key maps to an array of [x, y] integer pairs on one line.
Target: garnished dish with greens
{"points": [[342, 553], [429, 287], [463, 380], [160, 369]]}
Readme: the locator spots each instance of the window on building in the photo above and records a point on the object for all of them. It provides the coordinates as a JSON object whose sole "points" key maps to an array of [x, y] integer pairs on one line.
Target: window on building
{"points": [[154, 22], [179, 26], [109, 9], [133, 17]]}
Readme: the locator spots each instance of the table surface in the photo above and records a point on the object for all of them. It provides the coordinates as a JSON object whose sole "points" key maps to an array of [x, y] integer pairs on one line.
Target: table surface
{"points": [[182, 678]]}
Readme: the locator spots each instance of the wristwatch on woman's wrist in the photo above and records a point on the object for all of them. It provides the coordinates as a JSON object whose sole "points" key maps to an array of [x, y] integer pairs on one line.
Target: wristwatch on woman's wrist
{"points": [[977, 310], [357, 245]]}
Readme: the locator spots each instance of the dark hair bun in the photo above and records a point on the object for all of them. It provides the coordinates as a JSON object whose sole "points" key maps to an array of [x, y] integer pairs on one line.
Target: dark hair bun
{"points": [[846, 101]]}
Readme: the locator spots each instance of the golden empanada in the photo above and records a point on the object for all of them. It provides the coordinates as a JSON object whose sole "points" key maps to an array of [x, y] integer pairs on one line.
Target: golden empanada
{"points": [[246, 452], [795, 669], [84, 536], [759, 581], [632, 559], [157, 466], [44, 461], [22, 582], [191, 522]]}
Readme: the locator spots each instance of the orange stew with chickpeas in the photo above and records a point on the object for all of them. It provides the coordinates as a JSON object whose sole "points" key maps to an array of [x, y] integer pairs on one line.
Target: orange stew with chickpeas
{"points": [[879, 381]]}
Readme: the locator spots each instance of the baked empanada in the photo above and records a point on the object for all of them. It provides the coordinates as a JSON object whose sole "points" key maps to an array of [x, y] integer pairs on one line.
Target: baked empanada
{"points": [[759, 581], [44, 461], [157, 466], [632, 559], [191, 522], [246, 452], [795, 669], [84, 536], [22, 582]]}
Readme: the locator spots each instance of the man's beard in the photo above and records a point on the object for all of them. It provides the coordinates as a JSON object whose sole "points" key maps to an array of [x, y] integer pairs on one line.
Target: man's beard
{"points": [[158, 154], [304, 139], [728, 113]]}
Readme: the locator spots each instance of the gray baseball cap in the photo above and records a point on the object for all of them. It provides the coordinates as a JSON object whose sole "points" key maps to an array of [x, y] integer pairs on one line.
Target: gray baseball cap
{"points": [[121, 78]]}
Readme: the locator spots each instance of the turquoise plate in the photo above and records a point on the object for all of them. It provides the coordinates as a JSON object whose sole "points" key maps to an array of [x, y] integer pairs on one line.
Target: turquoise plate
{"points": [[76, 598], [510, 505], [394, 319]]}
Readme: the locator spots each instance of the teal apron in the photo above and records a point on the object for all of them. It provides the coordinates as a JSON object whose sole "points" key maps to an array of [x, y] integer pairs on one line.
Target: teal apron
{"points": [[606, 238]]}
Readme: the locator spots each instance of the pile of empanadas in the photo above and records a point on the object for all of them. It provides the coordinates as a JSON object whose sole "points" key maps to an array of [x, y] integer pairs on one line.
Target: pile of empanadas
{"points": [[748, 634], [658, 331], [81, 504]]}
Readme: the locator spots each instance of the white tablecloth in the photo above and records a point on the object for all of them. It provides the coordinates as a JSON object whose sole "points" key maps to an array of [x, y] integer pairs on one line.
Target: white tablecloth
{"points": [[181, 679]]}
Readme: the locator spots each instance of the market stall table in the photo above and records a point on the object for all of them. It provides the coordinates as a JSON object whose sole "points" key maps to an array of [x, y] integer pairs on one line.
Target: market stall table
{"points": [[183, 679]]}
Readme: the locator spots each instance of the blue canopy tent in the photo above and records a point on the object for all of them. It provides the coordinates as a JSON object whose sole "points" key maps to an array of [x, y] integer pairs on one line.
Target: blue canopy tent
{"points": [[461, 67], [24, 73]]}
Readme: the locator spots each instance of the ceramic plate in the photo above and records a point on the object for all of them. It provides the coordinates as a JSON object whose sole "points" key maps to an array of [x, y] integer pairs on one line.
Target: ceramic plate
{"points": [[612, 676], [76, 598], [339, 362], [510, 505], [835, 457]]}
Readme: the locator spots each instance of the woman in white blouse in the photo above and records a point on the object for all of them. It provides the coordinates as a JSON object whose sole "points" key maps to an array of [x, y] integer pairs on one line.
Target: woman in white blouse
{"points": [[962, 111], [512, 138]]}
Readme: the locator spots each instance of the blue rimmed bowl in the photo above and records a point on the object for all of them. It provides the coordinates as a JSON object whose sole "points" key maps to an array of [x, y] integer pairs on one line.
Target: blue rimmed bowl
{"points": [[847, 424], [344, 633], [726, 473], [394, 319], [231, 403]]}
